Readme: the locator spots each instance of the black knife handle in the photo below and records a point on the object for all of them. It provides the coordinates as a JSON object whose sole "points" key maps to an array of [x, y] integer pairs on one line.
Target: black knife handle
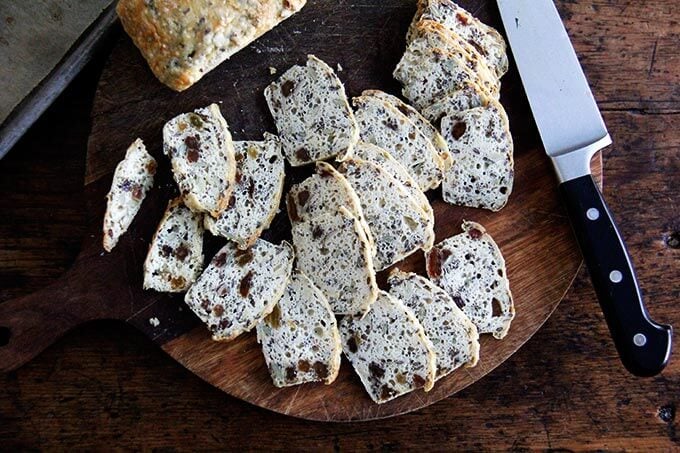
{"points": [[643, 345]]}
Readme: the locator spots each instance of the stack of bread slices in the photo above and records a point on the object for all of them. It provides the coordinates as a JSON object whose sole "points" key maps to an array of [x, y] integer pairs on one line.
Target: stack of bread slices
{"points": [[361, 210]]}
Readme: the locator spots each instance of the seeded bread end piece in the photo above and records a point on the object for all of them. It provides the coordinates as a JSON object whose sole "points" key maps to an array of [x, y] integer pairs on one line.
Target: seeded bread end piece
{"points": [[333, 251], [184, 40], [240, 287], [132, 179], [202, 155], [257, 192], [482, 149], [311, 112], [453, 335], [300, 338], [471, 269], [175, 257], [389, 350]]}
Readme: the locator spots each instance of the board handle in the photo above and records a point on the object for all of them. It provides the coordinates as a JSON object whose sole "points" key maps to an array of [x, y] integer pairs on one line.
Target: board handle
{"points": [[29, 324]]}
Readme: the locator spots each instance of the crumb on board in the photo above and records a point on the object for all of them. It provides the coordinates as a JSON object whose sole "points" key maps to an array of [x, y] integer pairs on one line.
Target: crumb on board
{"points": [[272, 70], [154, 322], [339, 67]]}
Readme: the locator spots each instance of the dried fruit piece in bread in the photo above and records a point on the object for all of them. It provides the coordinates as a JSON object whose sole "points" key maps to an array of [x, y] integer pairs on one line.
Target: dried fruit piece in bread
{"points": [[389, 350], [471, 269], [333, 251], [482, 150], [240, 287], [300, 338], [397, 221], [175, 257], [202, 155], [311, 112], [257, 192], [485, 39], [454, 337], [132, 179], [419, 120], [324, 193]]}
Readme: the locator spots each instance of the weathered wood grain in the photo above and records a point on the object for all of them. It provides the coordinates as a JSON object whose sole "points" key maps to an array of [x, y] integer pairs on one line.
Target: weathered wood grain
{"points": [[564, 389]]}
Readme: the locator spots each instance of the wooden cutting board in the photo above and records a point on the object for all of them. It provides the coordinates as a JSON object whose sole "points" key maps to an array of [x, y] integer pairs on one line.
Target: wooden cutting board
{"points": [[365, 41]]}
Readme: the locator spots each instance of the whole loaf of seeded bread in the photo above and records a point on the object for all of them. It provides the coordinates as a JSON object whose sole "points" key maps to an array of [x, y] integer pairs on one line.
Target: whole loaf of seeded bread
{"points": [[182, 40]]}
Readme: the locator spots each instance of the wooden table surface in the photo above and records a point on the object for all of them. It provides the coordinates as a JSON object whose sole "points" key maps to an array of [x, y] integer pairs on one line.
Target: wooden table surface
{"points": [[104, 385]]}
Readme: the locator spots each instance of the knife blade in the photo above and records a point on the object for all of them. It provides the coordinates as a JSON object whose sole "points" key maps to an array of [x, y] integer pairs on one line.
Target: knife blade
{"points": [[572, 130]]}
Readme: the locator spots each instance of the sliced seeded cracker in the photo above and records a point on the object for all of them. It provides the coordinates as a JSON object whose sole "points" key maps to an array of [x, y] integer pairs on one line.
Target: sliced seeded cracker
{"points": [[382, 124], [435, 35], [202, 155], [240, 287], [454, 337], [257, 192], [428, 74], [300, 338], [388, 350], [397, 221], [419, 120], [311, 112], [469, 96], [175, 257], [333, 251], [482, 150], [323, 193], [485, 39], [471, 269], [379, 156], [132, 179]]}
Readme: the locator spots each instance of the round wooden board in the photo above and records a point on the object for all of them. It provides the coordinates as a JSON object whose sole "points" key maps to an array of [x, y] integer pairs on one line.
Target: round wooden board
{"points": [[366, 41]]}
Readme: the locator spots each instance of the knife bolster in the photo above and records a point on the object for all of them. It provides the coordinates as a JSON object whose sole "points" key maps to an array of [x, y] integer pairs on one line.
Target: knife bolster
{"points": [[575, 163]]}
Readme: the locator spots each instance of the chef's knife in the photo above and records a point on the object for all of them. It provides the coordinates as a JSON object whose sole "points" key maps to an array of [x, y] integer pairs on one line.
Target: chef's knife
{"points": [[572, 130]]}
